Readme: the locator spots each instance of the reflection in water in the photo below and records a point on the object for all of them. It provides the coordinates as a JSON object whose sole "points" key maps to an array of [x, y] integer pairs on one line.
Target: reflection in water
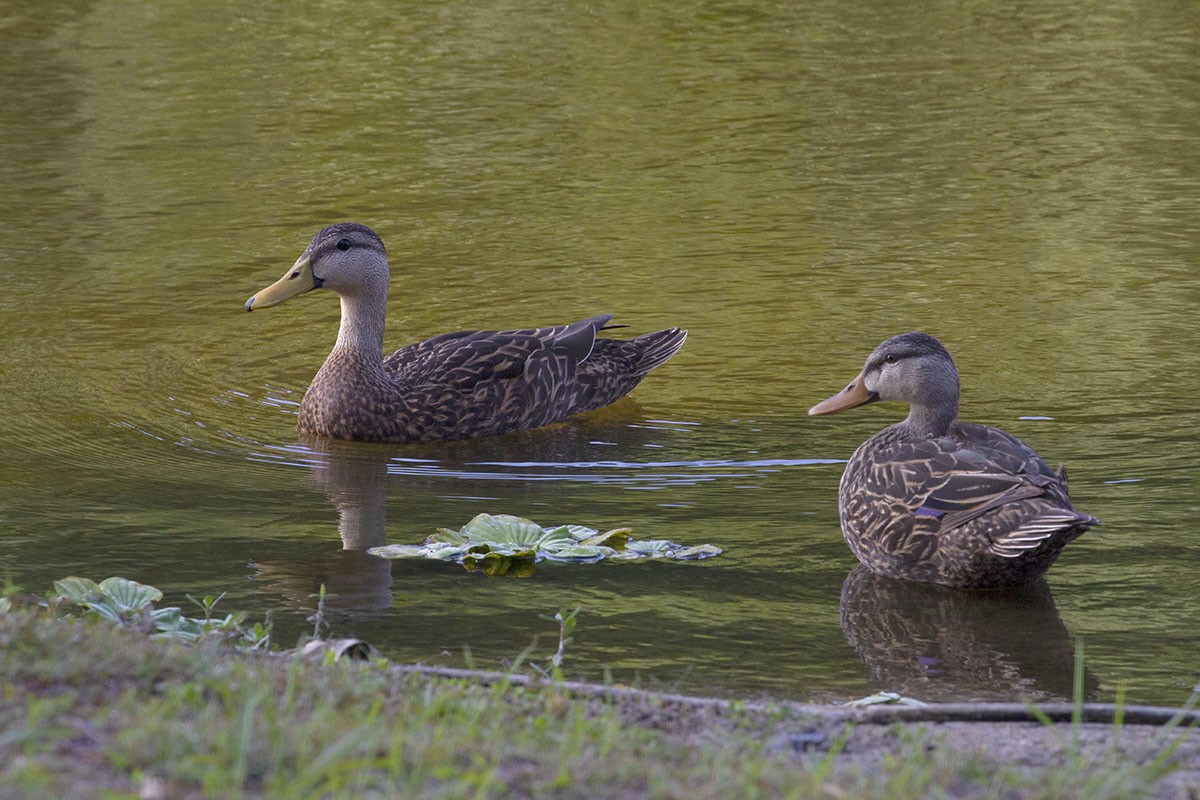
{"points": [[615, 446], [354, 478], [356, 584], [444, 484], [934, 643]]}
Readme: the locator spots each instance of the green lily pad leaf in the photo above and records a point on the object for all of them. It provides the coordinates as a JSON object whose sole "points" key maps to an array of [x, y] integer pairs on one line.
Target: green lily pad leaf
{"points": [[446, 552], [170, 623], [80, 591], [115, 599], [401, 551], [651, 547], [126, 602], [502, 529], [166, 616], [552, 536], [579, 532], [127, 595], [446, 536], [580, 552], [696, 553], [616, 538], [506, 545], [497, 564]]}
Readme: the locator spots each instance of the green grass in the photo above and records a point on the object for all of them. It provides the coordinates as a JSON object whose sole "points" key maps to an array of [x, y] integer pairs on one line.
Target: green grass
{"points": [[89, 709], [1121, 776]]}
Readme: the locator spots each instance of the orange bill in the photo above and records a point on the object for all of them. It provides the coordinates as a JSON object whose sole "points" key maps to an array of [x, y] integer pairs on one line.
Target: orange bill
{"points": [[855, 394]]}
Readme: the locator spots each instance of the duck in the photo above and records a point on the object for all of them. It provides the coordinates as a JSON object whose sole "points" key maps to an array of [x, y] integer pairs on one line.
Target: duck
{"points": [[456, 385], [936, 500]]}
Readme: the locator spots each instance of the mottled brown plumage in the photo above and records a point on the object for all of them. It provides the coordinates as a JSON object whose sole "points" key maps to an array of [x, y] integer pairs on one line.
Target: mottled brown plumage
{"points": [[932, 499], [456, 385]]}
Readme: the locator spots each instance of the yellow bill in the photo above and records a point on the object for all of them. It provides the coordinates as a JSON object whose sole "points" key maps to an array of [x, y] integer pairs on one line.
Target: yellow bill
{"points": [[298, 280]]}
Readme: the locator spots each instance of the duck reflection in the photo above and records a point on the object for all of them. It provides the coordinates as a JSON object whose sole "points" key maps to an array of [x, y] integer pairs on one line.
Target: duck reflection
{"points": [[939, 644], [354, 478], [357, 477]]}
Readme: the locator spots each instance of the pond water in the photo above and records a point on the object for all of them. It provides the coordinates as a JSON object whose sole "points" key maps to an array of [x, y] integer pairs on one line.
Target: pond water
{"points": [[791, 182]]}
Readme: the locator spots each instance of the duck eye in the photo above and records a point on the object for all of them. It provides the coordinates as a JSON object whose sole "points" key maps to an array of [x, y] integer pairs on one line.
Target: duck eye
{"points": [[891, 358], [343, 244]]}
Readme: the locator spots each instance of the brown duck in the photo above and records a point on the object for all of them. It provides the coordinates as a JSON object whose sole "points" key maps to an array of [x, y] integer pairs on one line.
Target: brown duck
{"points": [[937, 500], [456, 385]]}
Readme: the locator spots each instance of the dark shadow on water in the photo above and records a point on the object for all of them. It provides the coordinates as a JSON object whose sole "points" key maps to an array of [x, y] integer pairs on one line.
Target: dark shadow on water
{"points": [[939, 644]]}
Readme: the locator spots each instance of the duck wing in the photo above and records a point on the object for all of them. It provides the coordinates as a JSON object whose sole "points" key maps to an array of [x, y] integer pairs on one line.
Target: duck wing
{"points": [[464, 359], [987, 481], [473, 383]]}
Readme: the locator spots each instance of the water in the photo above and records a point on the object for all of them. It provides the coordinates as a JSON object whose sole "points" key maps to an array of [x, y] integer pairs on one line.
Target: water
{"points": [[793, 183]]}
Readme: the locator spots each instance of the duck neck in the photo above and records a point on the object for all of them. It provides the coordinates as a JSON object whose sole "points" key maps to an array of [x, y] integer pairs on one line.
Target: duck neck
{"points": [[930, 421], [360, 336]]}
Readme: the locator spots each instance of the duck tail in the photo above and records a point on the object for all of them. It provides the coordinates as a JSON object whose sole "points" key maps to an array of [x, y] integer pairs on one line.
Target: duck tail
{"points": [[656, 349]]}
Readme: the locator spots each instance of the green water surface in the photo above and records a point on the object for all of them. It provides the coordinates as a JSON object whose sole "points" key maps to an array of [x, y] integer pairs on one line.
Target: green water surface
{"points": [[792, 182]]}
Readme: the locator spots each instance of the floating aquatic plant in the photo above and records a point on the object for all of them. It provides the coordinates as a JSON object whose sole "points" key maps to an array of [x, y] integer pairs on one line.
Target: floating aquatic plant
{"points": [[130, 603], [502, 544], [885, 699]]}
